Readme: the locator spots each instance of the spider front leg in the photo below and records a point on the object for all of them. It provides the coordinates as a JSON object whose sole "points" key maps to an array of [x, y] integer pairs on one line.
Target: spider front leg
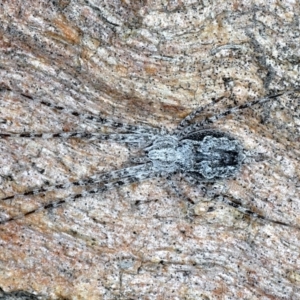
{"points": [[93, 180], [136, 140], [126, 176], [96, 120]]}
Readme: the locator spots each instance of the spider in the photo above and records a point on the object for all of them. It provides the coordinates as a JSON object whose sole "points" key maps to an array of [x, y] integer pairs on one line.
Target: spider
{"points": [[194, 150]]}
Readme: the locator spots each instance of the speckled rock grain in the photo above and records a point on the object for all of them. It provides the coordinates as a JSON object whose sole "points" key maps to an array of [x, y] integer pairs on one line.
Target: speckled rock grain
{"points": [[148, 62]]}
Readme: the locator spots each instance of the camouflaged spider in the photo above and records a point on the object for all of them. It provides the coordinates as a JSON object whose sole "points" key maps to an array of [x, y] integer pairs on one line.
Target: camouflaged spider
{"points": [[194, 150]]}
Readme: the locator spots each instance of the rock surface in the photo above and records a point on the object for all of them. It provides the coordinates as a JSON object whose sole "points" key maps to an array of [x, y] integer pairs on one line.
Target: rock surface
{"points": [[148, 63]]}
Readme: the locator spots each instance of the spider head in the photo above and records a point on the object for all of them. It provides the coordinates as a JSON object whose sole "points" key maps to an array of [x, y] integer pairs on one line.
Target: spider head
{"points": [[169, 155]]}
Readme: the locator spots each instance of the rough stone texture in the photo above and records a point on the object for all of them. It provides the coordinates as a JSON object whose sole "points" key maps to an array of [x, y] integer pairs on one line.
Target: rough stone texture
{"points": [[149, 62]]}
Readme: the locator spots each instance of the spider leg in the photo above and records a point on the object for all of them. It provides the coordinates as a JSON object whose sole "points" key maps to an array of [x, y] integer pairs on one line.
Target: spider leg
{"points": [[92, 180], [233, 203], [174, 187], [129, 177], [190, 203], [186, 121], [193, 181], [96, 120], [128, 138], [214, 195], [183, 130]]}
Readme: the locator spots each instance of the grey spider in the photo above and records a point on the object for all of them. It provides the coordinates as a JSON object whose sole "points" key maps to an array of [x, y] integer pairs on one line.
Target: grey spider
{"points": [[199, 153]]}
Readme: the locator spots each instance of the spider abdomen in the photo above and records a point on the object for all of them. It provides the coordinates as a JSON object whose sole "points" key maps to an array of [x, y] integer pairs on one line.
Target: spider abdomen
{"points": [[216, 155]]}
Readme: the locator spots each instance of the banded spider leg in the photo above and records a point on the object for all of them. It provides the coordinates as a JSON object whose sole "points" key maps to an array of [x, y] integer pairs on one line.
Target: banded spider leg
{"points": [[97, 120], [133, 135]]}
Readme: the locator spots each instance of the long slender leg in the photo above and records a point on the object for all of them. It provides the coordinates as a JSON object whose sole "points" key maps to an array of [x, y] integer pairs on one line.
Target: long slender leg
{"points": [[231, 202], [129, 138], [174, 187], [92, 180], [214, 195], [182, 130], [186, 121], [94, 119], [194, 181], [189, 202], [89, 191]]}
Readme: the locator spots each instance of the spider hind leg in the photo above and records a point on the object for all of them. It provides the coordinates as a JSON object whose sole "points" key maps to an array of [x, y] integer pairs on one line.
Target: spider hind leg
{"points": [[185, 125], [236, 204]]}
